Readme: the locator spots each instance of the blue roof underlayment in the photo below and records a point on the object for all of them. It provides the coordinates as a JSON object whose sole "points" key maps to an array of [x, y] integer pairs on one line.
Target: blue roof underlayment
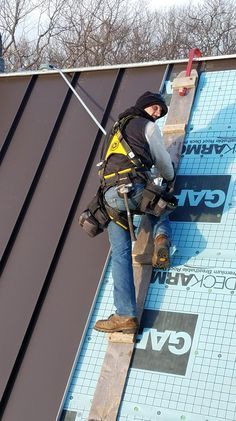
{"points": [[186, 369]]}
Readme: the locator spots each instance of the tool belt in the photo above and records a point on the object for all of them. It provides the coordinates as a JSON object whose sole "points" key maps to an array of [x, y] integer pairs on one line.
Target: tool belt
{"points": [[98, 213]]}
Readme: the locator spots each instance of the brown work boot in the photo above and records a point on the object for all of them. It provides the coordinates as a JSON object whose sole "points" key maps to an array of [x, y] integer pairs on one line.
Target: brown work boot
{"points": [[161, 253], [116, 323]]}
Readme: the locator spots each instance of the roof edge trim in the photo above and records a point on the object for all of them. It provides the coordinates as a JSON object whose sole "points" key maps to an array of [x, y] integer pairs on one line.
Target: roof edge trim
{"points": [[115, 66]]}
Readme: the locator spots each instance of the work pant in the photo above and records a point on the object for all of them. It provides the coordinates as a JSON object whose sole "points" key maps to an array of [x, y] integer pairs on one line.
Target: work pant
{"points": [[121, 247]]}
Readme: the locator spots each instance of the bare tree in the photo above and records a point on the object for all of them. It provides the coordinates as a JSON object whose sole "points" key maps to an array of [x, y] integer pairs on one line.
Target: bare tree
{"points": [[170, 34], [101, 32], [27, 29], [212, 27], [110, 31], [209, 25]]}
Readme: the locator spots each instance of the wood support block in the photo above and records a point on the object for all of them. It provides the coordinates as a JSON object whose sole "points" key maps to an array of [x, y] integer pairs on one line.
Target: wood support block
{"points": [[184, 82], [174, 128], [144, 243], [146, 260], [128, 338]]}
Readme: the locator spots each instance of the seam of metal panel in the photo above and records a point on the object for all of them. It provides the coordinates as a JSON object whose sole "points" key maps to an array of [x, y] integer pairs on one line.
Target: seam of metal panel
{"points": [[117, 66], [7, 251], [165, 77], [17, 118]]}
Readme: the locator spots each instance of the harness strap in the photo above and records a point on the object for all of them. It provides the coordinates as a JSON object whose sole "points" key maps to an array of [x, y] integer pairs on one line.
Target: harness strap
{"points": [[120, 218], [117, 145]]}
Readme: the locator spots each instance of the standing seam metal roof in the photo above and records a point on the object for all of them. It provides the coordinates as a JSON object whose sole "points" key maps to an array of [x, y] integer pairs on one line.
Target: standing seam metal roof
{"points": [[50, 269]]}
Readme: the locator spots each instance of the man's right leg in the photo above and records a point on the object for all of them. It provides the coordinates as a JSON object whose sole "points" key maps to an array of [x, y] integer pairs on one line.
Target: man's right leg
{"points": [[124, 291]]}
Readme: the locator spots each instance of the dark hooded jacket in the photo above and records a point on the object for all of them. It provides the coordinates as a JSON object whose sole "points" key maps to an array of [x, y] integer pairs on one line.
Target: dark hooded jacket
{"points": [[134, 133]]}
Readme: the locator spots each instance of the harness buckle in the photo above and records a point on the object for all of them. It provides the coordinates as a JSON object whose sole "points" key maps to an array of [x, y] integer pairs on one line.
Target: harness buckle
{"points": [[124, 188]]}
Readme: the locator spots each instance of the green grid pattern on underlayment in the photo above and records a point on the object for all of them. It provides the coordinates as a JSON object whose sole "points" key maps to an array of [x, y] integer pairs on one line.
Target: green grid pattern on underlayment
{"points": [[196, 345]]}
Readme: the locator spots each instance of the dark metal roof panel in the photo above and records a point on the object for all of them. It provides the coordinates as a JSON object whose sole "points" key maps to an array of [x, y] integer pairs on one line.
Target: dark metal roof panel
{"points": [[11, 94], [19, 292], [26, 150], [37, 240], [73, 276], [136, 81]]}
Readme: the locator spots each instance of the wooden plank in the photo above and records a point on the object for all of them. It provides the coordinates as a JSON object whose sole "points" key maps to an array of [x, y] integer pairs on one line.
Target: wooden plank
{"points": [[179, 112], [111, 382], [116, 363]]}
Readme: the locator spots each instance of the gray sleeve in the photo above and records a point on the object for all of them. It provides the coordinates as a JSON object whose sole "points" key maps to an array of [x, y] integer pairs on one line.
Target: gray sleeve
{"points": [[161, 157]]}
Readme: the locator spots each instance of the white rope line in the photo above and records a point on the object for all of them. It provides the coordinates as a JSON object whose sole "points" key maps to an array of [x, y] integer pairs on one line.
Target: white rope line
{"points": [[81, 101]]}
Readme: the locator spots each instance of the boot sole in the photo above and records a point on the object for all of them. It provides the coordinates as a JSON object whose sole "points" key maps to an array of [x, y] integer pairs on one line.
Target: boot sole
{"points": [[161, 260]]}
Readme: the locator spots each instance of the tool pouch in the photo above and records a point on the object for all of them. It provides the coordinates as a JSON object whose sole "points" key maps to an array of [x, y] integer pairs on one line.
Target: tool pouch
{"points": [[155, 201], [95, 218], [151, 195]]}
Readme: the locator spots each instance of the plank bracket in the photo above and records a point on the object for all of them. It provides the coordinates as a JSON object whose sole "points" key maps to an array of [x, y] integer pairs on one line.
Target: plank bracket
{"points": [[174, 128]]}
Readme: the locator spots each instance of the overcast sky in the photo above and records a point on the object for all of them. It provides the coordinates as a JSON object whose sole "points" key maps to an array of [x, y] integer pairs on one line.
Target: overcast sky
{"points": [[166, 3]]}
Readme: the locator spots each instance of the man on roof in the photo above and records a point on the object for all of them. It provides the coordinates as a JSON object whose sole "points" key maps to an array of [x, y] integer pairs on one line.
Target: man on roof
{"points": [[145, 144]]}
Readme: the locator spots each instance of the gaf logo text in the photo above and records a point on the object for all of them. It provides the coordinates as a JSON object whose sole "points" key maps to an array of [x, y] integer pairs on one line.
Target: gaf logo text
{"points": [[200, 198], [164, 341], [178, 343], [210, 198]]}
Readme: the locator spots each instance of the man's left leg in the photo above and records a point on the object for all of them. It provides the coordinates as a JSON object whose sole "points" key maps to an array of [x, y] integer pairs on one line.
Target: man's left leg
{"points": [[162, 241]]}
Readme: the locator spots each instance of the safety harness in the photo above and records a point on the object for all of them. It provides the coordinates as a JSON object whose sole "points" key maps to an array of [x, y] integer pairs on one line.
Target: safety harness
{"points": [[117, 145], [133, 170]]}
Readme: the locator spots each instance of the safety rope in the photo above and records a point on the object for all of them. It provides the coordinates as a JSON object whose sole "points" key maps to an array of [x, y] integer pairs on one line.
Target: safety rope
{"points": [[80, 100]]}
